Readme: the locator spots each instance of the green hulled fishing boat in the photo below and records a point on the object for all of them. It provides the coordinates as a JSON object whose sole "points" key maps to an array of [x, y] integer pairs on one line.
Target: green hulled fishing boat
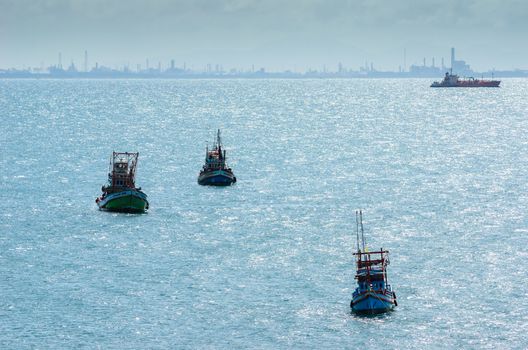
{"points": [[121, 194]]}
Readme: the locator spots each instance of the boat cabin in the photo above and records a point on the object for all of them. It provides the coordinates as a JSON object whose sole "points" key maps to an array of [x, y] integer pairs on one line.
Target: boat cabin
{"points": [[371, 270], [122, 170]]}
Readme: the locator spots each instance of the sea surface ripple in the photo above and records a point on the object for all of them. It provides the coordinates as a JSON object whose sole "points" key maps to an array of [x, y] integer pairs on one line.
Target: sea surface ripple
{"points": [[441, 175]]}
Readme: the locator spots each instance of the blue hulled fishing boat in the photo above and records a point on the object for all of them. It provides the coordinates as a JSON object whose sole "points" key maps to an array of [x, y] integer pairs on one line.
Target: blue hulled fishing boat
{"points": [[215, 171], [374, 294]]}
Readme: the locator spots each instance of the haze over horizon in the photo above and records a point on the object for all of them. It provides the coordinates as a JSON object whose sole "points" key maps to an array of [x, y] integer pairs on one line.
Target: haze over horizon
{"points": [[294, 35]]}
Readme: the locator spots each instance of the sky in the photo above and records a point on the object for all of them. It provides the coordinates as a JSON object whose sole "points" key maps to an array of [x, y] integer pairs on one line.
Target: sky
{"points": [[275, 34]]}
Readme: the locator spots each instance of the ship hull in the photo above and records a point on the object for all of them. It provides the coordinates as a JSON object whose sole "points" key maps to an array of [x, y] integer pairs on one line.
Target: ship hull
{"points": [[372, 303], [494, 83], [216, 178], [129, 201]]}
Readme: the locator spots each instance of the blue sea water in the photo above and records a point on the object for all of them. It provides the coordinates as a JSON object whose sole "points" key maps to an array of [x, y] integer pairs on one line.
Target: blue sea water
{"points": [[441, 175]]}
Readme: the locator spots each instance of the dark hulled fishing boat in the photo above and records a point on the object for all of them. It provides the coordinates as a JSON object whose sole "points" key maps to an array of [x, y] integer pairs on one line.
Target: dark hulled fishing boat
{"points": [[374, 294], [215, 171], [121, 194]]}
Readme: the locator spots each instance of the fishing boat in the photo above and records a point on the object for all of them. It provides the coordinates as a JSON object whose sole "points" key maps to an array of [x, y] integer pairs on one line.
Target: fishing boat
{"points": [[215, 171], [121, 194], [452, 80], [374, 294]]}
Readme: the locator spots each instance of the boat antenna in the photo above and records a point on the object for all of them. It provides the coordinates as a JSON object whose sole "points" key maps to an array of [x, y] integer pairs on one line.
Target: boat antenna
{"points": [[362, 233], [357, 231]]}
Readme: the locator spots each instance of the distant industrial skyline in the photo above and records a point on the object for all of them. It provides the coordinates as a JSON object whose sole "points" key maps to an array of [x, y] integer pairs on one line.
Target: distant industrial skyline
{"points": [[87, 64], [279, 35], [433, 67], [171, 70]]}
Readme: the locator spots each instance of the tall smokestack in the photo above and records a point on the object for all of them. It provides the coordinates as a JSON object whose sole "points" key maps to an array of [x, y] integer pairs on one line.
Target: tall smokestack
{"points": [[404, 59], [85, 60], [452, 57]]}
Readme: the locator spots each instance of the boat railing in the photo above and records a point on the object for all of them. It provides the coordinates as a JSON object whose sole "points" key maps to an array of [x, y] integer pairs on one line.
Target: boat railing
{"points": [[382, 291], [365, 263], [376, 258], [367, 253]]}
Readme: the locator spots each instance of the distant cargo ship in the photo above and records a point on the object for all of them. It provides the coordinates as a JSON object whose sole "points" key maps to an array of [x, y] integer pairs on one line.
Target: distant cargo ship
{"points": [[452, 80]]}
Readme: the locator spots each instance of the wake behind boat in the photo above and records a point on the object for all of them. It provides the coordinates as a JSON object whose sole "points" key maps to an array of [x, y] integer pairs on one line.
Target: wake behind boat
{"points": [[374, 294], [215, 171], [121, 194]]}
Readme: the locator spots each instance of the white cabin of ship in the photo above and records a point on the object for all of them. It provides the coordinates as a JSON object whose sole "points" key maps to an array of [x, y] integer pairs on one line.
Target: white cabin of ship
{"points": [[450, 79]]}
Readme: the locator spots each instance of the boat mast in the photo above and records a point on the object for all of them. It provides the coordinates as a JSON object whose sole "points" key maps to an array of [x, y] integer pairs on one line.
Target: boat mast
{"points": [[132, 170], [219, 148], [362, 233], [218, 141], [111, 162], [384, 267], [357, 231]]}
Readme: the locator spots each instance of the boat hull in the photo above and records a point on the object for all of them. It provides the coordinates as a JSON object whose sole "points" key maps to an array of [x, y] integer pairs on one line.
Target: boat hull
{"points": [[129, 201], [216, 178], [372, 303], [493, 83]]}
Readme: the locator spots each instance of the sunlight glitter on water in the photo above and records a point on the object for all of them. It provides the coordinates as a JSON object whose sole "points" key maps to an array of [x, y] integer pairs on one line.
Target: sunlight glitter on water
{"points": [[440, 174]]}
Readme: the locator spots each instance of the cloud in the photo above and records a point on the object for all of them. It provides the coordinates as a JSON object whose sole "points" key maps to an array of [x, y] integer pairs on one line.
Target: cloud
{"points": [[247, 30]]}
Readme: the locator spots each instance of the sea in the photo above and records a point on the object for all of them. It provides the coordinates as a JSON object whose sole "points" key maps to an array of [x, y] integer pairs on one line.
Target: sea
{"points": [[440, 174]]}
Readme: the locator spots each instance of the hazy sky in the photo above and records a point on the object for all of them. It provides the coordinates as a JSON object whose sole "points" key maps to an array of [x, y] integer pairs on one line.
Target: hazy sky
{"points": [[277, 34]]}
